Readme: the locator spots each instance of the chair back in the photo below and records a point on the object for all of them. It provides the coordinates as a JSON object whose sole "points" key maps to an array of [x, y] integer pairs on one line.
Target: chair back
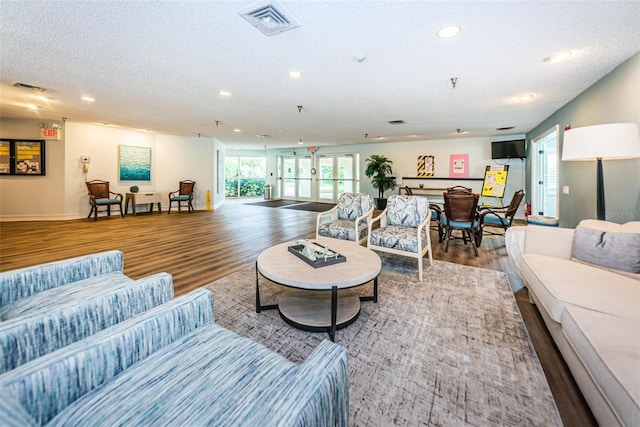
{"points": [[186, 187], [353, 205], [459, 189], [514, 205], [98, 189], [408, 191], [460, 207], [407, 211]]}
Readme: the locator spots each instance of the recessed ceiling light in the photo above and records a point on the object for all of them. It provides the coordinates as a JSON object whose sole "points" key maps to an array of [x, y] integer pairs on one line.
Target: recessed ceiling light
{"points": [[33, 107], [527, 97], [558, 57], [224, 93], [237, 130], [263, 135], [88, 99], [295, 74], [448, 31]]}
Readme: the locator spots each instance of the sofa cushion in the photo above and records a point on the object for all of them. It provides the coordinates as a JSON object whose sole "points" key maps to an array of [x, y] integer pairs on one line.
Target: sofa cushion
{"points": [[353, 205], [25, 338], [609, 347], [183, 384], [343, 229], [561, 283], [609, 245], [407, 211], [396, 237], [45, 301]]}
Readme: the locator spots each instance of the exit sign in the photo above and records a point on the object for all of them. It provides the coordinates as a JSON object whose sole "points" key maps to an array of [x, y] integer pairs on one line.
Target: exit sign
{"points": [[50, 133]]}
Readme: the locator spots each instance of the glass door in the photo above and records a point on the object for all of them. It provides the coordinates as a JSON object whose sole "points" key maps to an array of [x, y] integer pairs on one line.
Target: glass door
{"points": [[304, 178], [326, 190], [337, 174], [288, 178], [544, 169]]}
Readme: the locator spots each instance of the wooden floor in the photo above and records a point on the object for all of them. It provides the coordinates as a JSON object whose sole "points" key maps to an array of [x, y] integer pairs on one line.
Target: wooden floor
{"points": [[201, 247]]}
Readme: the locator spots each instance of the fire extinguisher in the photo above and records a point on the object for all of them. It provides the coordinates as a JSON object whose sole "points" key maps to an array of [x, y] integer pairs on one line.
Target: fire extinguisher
{"points": [[527, 209]]}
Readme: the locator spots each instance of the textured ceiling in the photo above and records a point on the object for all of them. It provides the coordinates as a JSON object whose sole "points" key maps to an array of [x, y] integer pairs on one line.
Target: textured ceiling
{"points": [[160, 65]]}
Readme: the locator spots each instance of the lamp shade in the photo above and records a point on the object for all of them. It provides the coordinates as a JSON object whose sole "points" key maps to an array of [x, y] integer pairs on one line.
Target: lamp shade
{"points": [[610, 141]]}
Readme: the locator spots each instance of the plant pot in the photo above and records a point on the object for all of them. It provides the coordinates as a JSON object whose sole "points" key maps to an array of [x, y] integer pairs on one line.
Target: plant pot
{"points": [[381, 204]]}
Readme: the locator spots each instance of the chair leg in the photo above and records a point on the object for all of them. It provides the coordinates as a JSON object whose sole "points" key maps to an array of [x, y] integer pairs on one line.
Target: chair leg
{"points": [[95, 213], [473, 243], [420, 267], [121, 213], [447, 235], [169, 207]]}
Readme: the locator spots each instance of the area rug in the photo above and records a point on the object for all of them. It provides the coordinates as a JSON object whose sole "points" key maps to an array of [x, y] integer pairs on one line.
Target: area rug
{"points": [[449, 351], [274, 203], [312, 206]]}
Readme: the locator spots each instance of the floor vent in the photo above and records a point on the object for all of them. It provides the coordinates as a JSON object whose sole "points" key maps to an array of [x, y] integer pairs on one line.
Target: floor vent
{"points": [[269, 18]]}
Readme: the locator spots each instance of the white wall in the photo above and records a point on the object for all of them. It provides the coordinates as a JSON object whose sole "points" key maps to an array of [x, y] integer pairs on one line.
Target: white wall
{"points": [[62, 193]]}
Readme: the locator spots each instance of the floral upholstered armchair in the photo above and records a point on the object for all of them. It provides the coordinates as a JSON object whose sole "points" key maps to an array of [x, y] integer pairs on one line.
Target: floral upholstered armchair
{"points": [[404, 229], [348, 220]]}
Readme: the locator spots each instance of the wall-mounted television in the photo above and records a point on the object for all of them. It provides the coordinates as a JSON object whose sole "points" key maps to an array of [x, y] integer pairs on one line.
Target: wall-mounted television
{"points": [[514, 149]]}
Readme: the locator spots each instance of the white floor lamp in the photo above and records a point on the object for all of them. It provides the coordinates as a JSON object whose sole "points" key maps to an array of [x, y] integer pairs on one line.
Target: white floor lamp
{"points": [[601, 142]]}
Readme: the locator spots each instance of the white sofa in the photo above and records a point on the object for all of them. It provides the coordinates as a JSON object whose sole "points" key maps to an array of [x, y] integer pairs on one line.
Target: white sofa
{"points": [[586, 285]]}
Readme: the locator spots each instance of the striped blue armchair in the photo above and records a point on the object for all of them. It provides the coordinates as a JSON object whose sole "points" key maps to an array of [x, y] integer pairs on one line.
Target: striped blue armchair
{"points": [[174, 366], [348, 219], [404, 229]]}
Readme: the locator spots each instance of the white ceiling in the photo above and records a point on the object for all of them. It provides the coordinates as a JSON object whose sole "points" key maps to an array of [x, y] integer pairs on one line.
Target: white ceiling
{"points": [[160, 65]]}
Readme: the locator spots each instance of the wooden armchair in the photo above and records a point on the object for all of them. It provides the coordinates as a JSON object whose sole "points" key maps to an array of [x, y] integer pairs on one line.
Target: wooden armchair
{"points": [[183, 195], [460, 214], [498, 217], [101, 196]]}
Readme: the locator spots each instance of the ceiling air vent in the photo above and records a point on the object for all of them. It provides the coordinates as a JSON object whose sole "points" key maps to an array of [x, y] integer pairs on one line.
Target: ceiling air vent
{"points": [[269, 18], [396, 122]]}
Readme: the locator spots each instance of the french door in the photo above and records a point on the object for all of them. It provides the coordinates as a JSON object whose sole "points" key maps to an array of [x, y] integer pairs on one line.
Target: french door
{"points": [[321, 179]]}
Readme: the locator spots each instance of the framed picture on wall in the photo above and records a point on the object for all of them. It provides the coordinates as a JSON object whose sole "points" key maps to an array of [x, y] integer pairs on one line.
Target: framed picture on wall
{"points": [[459, 166], [426, 166], [22, 157], [135, 163]]}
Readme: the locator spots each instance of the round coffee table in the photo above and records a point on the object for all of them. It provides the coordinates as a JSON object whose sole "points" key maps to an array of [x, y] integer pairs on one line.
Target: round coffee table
{"points": [[315, 305]]}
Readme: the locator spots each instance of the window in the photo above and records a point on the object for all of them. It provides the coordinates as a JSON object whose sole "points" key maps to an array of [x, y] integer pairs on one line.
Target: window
{"points": [[244, 176]]}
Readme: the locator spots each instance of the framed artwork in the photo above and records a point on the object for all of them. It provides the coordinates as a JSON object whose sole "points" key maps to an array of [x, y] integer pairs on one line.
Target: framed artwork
{"points": [[22, 157], [135, 163], [426, 166], [459, 166]]}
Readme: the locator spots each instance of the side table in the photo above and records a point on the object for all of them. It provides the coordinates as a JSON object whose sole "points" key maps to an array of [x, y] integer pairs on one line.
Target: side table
{"points": [[149, 197]]}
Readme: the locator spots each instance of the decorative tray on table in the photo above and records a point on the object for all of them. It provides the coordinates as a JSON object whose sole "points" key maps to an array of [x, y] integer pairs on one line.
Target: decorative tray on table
{"points": [[315, 254]]}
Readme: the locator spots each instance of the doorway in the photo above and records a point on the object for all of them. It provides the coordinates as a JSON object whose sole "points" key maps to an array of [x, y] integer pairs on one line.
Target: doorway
{"points": [[317, 178], [544, 170]]}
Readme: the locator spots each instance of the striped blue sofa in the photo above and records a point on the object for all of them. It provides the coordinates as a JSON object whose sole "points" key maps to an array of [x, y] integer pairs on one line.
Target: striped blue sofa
{"points": [[49, 306], [174, 366]]}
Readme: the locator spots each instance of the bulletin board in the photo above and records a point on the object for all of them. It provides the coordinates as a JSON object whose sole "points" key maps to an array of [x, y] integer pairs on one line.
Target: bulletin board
{"points": [[495, 181]]}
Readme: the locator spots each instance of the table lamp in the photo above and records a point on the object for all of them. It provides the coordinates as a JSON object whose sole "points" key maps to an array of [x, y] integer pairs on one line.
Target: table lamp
{"points": [[601, 142]]}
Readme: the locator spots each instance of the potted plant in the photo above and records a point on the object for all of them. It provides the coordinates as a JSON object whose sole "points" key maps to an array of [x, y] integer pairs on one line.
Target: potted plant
{"points": [[379, 170]]}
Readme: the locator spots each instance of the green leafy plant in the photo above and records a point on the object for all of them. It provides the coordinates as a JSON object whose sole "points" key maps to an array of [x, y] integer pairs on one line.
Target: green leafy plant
{"points": [[379, 170]]}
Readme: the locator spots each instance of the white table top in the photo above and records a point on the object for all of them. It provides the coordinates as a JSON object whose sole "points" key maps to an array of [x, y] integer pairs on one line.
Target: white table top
{"points": [[281, 266]]}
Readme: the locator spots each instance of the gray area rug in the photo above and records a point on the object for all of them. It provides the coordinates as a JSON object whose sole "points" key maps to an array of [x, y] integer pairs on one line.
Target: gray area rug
{"points": [[449, 351]]}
